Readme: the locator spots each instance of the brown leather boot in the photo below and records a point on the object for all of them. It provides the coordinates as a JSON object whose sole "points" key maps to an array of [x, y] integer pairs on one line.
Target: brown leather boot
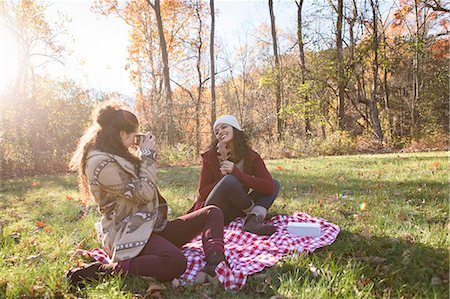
{"points": [[209, 270], [254, 224], [88, 273]]}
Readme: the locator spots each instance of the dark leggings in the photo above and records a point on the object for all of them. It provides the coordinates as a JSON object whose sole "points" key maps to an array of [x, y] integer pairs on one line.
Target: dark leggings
{"points": [[231, 198], [162, 258]]}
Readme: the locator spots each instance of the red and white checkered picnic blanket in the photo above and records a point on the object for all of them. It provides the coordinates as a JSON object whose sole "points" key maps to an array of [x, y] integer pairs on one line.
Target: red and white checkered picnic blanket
{"points": [[247, 253]]}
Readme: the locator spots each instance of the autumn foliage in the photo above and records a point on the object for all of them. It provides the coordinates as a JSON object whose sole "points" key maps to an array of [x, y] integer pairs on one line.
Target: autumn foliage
{"points": [[400, 72]]}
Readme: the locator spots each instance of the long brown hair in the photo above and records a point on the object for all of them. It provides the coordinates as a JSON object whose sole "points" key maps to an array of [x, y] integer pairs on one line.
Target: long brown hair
{"points": [[108, 120]]}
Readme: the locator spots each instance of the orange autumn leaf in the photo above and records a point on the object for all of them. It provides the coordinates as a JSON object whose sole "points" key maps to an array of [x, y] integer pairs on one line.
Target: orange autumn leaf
{"points": [[35, 184], [40, 223], [435, 165], [281, 168], [68, 197]]}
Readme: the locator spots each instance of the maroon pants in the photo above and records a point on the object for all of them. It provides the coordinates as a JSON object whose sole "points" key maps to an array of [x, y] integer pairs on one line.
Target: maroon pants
{"points": [[162, 258]]}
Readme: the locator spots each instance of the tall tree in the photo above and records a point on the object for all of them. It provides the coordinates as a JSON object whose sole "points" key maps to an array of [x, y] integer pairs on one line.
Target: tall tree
{"points": [[213, 68], [166, 72], [374, 100], [302, 63], [198, 66], [340, 65], [277, 70], [417, 70]]}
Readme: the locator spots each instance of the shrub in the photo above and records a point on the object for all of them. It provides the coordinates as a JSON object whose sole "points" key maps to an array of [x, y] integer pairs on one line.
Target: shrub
{"points": [[180, 154], [431, 142], [368, 144], [337, 143]]}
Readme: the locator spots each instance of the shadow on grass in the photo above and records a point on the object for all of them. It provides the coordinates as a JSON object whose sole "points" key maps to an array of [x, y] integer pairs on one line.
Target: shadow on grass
{"points": [[396, 267], [19, 187], [413, 188]]}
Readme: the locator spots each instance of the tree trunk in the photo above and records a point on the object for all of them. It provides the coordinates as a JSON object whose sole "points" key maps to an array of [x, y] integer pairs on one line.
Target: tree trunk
{"points": [[213, 69], [166, 74], [340, 65], [416, 72], [386, 90], [301, 49], [373, 101], [277, 70], [200, 81]]}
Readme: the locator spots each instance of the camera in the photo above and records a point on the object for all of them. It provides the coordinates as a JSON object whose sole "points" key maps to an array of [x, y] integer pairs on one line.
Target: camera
{"points": [[139, 138]]}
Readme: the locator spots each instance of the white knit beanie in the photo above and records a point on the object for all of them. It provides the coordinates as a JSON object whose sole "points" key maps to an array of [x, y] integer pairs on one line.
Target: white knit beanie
{"points": [[229, 120]]}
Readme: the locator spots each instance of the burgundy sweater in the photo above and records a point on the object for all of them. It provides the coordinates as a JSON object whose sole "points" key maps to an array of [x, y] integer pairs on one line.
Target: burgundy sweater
{"points": [[255, 176]]}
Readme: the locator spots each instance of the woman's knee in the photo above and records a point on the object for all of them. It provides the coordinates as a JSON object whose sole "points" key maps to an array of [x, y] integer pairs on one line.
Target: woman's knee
{"points": [[230, 181], [214, 212]]}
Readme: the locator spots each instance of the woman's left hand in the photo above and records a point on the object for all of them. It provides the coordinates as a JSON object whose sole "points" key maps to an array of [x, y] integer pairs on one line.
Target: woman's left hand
{"points": [[226, 167]]}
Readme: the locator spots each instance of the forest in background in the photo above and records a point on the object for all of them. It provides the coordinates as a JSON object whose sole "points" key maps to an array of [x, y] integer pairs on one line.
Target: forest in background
{"points": [[369, 82]]}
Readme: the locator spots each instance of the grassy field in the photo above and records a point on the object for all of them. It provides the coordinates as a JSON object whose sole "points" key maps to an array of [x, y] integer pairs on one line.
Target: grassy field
{"points": [[392, 210]]}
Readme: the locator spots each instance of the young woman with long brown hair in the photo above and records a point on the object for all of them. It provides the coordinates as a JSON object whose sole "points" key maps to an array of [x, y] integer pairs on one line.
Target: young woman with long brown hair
{"points": [[234, 178], [121, 177]]}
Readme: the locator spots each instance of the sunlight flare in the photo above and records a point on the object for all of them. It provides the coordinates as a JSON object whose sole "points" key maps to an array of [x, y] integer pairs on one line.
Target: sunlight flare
{"points": [[9, 60]]}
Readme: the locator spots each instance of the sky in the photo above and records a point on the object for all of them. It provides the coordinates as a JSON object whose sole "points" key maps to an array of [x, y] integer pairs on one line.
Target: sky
{"points": [[98, 44]]}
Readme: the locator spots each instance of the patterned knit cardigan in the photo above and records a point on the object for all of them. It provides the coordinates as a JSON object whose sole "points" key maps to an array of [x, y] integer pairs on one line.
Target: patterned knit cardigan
{"points": [[128, 202]]}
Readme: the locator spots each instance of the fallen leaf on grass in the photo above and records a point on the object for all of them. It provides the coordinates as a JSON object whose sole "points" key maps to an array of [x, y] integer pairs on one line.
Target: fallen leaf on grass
{"points": [[280, 168], [155, 291], [68, 197], [40, 223], [37, 290], [435, 165], [16, 237], [30, 242], [374, 259], [406, 255], [408, 237], [175, 283], [365, 233], [402, 216], [364, 280], [313, 270], [436, 281], [33, 258], [264, 282], [35, 184], [10, 259]]}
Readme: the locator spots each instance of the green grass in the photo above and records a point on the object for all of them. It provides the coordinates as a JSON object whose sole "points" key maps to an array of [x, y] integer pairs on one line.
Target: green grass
{"points": [[396, 248]]}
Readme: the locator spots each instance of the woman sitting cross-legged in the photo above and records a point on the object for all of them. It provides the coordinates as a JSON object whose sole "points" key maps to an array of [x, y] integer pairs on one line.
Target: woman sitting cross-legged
{"points": [[230, 168], [135, 232]]}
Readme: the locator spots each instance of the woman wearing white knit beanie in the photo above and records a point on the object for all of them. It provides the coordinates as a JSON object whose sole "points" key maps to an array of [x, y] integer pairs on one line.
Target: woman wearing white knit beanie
{"points": [[235, 178]]}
